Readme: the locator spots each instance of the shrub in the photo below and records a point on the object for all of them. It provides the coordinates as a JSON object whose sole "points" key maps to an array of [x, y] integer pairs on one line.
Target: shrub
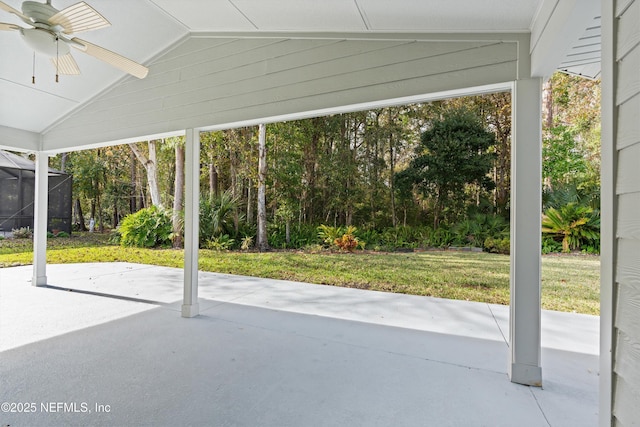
{"points": [[217, 216], [573, 224], [220, 243], [441, 237], [497, 246], [549, 245], [62, 234], [146, 228], [338, 237], [328, 234], [246, 243], [22, 233], [347, 242], [300, 235]]}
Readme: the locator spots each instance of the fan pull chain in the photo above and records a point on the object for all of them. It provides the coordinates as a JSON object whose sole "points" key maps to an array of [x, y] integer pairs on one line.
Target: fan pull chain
{"points": [[57, 56], [33, 74]]}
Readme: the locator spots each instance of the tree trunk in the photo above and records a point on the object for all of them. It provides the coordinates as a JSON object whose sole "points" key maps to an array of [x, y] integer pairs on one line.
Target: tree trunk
{"points": [[114, 220], [249, 202], [261, 240], [213, 180], [178, 191], [287, 232], [79, 216], [547, 105], [99, 211], [150, 164], [233, 174], [133, 205], [63, 161], [392, 163]]}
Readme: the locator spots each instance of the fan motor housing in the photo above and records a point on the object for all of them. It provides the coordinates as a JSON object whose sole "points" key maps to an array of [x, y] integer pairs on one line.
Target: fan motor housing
{"points": [[39, 12]]}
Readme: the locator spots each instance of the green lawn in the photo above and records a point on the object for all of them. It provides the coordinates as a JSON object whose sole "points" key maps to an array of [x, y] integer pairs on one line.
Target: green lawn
{"points": [[569, 282]]}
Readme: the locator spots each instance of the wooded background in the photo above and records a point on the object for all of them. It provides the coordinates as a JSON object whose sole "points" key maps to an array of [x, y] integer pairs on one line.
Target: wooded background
{"points": [[350, 169]]}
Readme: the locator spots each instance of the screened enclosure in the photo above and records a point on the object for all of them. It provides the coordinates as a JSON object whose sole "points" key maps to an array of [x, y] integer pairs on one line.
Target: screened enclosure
{"points": [[17, 188]]}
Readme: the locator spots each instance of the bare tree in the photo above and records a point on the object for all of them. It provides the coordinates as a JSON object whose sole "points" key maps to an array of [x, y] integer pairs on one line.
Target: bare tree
{"points": [[150, 165], [261, 239], [178, 195]]}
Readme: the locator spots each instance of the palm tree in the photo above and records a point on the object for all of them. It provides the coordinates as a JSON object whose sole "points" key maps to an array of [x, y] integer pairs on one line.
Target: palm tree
{"points": [[574, 223]]}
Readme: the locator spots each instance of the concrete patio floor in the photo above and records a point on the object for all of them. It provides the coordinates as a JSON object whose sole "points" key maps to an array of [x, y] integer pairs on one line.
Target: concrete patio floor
{"points": [[105, 345]]}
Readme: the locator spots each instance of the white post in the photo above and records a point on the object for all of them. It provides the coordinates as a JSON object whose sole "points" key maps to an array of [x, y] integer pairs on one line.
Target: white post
{"points": [[609, 209], [526, 200], [190, 306], [41, 203]]}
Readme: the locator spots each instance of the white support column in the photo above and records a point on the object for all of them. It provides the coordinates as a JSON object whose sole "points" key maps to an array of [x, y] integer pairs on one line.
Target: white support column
{"points": [[609, 210], [41, 203], [526, 199], [190, 306]]}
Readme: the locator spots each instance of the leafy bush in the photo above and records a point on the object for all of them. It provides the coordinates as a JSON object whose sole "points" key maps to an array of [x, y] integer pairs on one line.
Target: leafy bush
{"points": [[22, 233], [62, 234], [497, 246], [347, 242], [300, 235], [328, 234], [220, 243], [550, 246], [217, 216], [341, 238], [246, 243], [146, 228], [476, 230], [442, 237], [573, 224]]}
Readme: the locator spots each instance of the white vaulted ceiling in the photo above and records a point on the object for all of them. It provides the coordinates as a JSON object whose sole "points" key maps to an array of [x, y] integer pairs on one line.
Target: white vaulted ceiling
{"points": [[231, 37]]}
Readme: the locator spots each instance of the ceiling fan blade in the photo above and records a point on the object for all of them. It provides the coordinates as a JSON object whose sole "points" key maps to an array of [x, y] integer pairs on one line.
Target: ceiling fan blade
{"points": [[16, 12], [65, 64], [8, 27], [111, 58], [78, 18]]}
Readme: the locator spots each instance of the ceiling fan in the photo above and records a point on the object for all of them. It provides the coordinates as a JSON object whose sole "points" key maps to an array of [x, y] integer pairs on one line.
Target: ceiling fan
{"points": [[53, 30]]}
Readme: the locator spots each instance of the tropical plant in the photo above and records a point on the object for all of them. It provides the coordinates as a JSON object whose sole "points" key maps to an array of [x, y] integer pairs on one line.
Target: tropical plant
{"points": [[220, 243], [146, 228], [328, 234], [348, 241], [217, 216], [574, 224], [246, 243]]}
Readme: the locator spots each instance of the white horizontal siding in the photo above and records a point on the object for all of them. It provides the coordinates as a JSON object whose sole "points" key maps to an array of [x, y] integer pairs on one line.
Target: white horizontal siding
{"points": [[628, 31], [629, 169], [212, 81], [626, 409], [629, 216], [628, 123], [628, 80], [626, 364]]}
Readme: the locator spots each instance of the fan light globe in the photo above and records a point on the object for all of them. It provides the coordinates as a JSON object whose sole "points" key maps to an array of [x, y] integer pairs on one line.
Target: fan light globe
{"points": [[44, 42]]}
